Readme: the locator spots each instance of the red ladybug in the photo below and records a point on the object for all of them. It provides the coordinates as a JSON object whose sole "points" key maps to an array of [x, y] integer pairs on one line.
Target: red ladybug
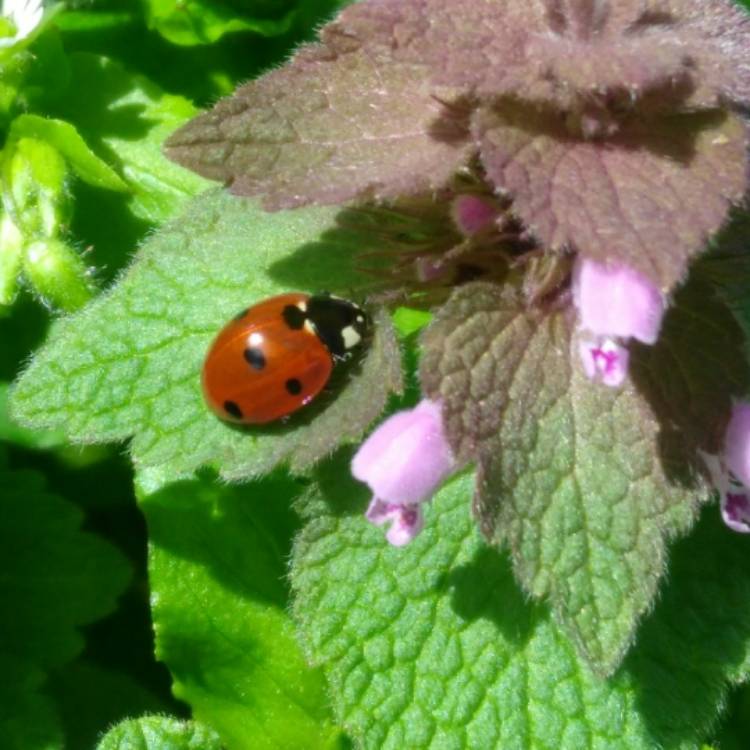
{"points": [[276, 356]]}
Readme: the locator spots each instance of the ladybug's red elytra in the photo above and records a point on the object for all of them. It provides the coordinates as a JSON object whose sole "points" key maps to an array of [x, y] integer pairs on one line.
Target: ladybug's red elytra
{"points": [[277, 356]]}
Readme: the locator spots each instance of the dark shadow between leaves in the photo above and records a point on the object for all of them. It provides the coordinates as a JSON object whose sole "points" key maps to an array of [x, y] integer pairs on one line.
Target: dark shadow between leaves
{"points": [[190, 71], [330, 262], [105, 224], [93, 102], [484, 589], [654, 128], [365, 249], [241, 534], [691, 376], [340, 491], [696, 636], [453, 123]]}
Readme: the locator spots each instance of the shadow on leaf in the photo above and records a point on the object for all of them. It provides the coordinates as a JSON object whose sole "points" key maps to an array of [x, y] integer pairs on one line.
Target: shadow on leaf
{"points": [[241, 534], [694, 642], [484, 588], [691, 376], [341, 493]]}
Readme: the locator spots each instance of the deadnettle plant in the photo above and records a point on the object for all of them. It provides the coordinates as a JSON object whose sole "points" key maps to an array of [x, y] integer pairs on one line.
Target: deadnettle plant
{"points": [[559, 165]]}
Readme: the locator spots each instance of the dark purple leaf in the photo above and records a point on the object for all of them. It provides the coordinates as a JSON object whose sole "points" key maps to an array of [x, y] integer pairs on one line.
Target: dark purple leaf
{"points": [[341, 120], [649, 196]]}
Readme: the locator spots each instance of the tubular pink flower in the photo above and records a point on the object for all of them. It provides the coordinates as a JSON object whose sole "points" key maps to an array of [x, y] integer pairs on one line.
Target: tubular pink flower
{"points": [[407, 520], [472, 214], [734, 496], [735, 510], [605, 361], [737, 443], [617, 301], [403, 462]]}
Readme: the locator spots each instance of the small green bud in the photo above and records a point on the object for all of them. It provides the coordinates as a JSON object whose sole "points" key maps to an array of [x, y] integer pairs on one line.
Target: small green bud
{"points": [[57, 273], [15, 67], [35, 173], [11, 255]]}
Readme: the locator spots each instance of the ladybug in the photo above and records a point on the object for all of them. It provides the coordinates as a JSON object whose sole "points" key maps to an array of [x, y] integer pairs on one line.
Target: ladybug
{"points": [[277, 356]]}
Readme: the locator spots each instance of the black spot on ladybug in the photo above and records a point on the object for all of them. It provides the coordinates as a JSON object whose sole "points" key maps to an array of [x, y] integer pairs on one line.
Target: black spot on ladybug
{"points": [[339, 324], [255, 358], [293, 317], [293, 386], [233, 409], [242, 314]]}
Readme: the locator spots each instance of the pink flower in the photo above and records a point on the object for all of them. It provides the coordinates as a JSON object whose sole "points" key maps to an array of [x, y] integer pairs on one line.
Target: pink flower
{"points": [[403, 462], [407, 520], [473, 214], [730, 472], [615, 303], [605, 361], [737, 443], [735, 510]]}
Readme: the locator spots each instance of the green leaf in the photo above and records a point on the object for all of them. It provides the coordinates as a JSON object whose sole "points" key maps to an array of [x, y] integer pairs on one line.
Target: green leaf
{"points": [[206, 21], [217, 567], [409, 320], [91, 698], [99, 19], [57, 273], [586, 483], [159, 733], [54, 579], [736, 725], [13, 433], [49, 75], [434, 646], [128, 117], [129, 364], [67, 140], [28, 720]]}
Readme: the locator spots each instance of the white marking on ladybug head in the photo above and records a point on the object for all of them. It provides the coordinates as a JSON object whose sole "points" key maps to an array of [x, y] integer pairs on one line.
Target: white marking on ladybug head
{"points": [[309, 327], [360, 319], [302, 305], [351, 337]]}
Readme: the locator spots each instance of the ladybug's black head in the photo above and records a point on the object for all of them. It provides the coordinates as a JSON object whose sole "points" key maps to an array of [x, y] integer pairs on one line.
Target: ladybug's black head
{"points": [[341, 325]]}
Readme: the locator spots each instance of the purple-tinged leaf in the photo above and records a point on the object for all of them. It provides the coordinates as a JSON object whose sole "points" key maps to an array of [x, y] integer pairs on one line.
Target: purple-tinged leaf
{"points": [[461, 41], [648, 197], [342, 120], [723, 28], [585, 483], [562, 52]]}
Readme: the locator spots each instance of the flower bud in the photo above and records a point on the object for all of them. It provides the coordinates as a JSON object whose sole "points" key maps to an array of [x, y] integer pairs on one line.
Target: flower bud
{"points": [[472, 214], [36, 174], [57, 273]]}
